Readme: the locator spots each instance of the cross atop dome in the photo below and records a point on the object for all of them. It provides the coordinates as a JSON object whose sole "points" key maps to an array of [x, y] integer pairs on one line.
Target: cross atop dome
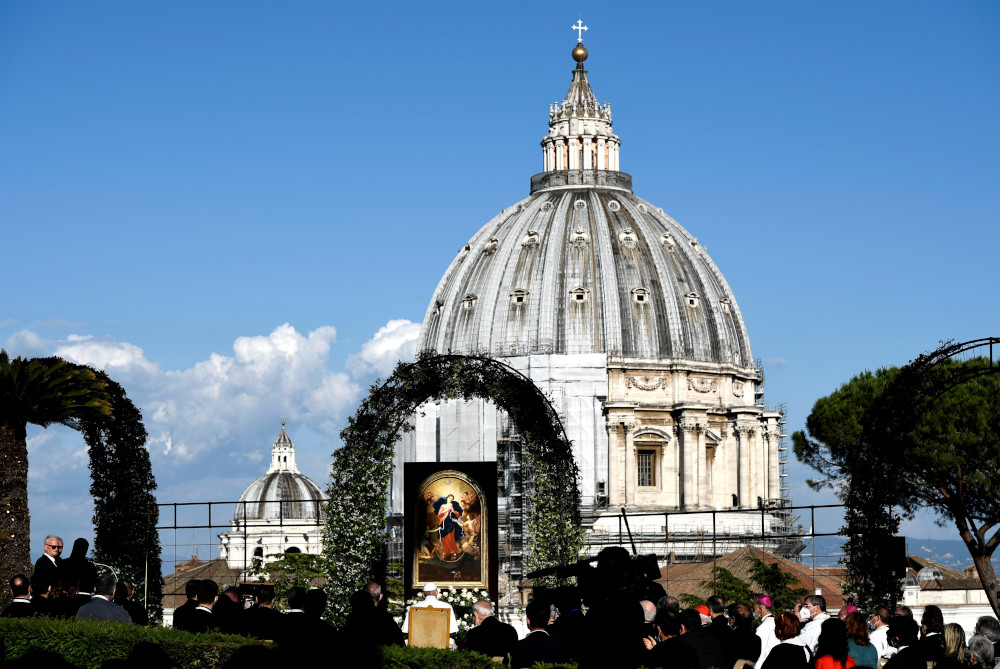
{"points": [[580, 137], [283, 453]]}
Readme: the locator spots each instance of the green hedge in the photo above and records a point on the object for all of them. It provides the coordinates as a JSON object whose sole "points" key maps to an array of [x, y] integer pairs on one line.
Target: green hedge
{"points": [[87, 644], [394, 657]]}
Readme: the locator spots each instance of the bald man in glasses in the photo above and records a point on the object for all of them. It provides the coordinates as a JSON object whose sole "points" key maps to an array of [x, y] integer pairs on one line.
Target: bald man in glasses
{"points": [[48, 568]]}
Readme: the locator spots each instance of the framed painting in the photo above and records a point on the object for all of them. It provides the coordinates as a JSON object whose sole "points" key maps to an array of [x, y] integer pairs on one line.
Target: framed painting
{"points": [[451, 525]]}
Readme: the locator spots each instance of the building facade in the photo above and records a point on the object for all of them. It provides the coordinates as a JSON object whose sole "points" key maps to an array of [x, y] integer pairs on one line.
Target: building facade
{"points": [[619, 315], [280, 512]]}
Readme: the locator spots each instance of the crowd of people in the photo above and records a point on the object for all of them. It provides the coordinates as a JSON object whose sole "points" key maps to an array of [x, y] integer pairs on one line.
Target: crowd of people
{"points": [[629, 622], [72, 588]]}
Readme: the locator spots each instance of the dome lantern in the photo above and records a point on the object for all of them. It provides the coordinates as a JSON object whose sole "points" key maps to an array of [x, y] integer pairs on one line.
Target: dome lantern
{"points": [[580, 137]]}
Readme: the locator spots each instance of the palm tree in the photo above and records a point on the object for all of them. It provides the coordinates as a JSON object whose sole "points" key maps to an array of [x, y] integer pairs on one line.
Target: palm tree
{"points": [[42, 391]]}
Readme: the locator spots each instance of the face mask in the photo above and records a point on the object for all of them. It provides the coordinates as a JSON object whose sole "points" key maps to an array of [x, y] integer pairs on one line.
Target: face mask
{"points": [[871, 626], [804, 614]]}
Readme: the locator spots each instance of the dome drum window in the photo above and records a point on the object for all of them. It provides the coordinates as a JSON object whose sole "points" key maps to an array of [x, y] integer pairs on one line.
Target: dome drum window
{"points": [[530, 240], [692, 299], [578, 295], [667, 241], [628, 239], [640, 295], [613, 205], [725, 304], [547, 206], [518, 297], [580, 205], [492, 246], [642, 209], [580, 238], [469, 302]]}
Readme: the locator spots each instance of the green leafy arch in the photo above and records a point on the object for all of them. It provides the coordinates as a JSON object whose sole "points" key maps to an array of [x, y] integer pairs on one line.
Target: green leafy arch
{"points": [[355, 538], [125, 509]]}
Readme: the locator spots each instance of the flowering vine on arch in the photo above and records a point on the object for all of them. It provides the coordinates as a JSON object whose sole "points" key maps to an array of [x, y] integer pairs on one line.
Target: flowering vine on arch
{"points": [[354, 538]]}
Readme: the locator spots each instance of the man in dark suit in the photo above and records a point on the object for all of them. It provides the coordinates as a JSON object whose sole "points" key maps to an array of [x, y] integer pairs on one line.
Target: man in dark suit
{"points": [[183, 613], [100, 606], [21, 607], [708, 649], [667, 649], [538, 646], [490, 636], [903, 635], [202, 618], [305, 636], [49, 566], [261, 621]]}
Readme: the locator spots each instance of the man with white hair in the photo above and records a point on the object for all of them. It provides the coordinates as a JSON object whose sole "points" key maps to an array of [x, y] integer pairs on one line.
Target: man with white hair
{"points": [[490, 636], [48, 568], [431, 601]]}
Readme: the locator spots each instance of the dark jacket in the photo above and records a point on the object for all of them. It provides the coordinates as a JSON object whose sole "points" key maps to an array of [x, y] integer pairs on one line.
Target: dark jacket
{"points": [[491, 637], [707, 647], [537, 647], [99, 608], [45, 574], [182, 615], [19, 609]]}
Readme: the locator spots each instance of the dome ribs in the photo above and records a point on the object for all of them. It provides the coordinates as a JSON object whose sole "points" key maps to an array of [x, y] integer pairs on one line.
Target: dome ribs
{"points": [[549, 277]]}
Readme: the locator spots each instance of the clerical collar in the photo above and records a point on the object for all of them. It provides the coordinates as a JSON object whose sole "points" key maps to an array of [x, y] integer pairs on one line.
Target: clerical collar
{"points": [[203, 608], [102, 597]]}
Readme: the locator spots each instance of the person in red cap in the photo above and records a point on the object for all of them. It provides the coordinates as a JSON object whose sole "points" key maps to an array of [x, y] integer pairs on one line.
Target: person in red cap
{"points": [[762, 612]]}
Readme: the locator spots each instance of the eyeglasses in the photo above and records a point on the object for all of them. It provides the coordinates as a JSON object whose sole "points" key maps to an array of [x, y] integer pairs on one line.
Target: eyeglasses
{"points": [[58, 548]]}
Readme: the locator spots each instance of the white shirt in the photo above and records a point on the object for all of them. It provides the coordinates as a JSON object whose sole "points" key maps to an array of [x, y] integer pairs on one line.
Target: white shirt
{"points": [[432, 602], [810, 633], [767, 638], [880, 639]]}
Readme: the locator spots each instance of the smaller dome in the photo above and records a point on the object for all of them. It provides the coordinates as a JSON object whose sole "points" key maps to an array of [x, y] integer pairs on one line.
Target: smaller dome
{"points": [[282, 493], [929, 573]]}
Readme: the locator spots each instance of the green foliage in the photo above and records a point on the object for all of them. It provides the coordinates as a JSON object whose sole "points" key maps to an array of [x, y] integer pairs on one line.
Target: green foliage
{"points": [[354, 537], [43, 391], [125, 510], [897, 440], [290, 570], [395, 657], [88, 644], [725, 585], [776, 583], [768, 579]]}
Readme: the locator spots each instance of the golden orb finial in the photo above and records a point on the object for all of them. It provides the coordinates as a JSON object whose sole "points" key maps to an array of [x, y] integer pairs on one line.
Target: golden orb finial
{"points": [[579, 53]]}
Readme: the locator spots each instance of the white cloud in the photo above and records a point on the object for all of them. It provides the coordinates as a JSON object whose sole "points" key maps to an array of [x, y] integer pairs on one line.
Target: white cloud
{"points": [[395, 341], [225, 402], [775, 362], [27, 344], [210, 424]]}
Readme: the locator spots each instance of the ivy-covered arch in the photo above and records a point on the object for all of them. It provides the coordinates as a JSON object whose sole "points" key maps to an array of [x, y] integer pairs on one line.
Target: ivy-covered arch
{"points": [[354, 538]]}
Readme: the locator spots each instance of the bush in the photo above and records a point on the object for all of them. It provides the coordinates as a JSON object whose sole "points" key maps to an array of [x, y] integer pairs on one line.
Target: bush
{"points": [[87, 644], [395, 657]]}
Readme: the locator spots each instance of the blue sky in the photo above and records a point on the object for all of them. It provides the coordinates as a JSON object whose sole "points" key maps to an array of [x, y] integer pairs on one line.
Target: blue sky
{"points": [[241, 209]]}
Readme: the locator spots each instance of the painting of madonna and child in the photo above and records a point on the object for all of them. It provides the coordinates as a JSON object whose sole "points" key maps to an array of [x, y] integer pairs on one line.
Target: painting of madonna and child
{"points": [[451, 520]]}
